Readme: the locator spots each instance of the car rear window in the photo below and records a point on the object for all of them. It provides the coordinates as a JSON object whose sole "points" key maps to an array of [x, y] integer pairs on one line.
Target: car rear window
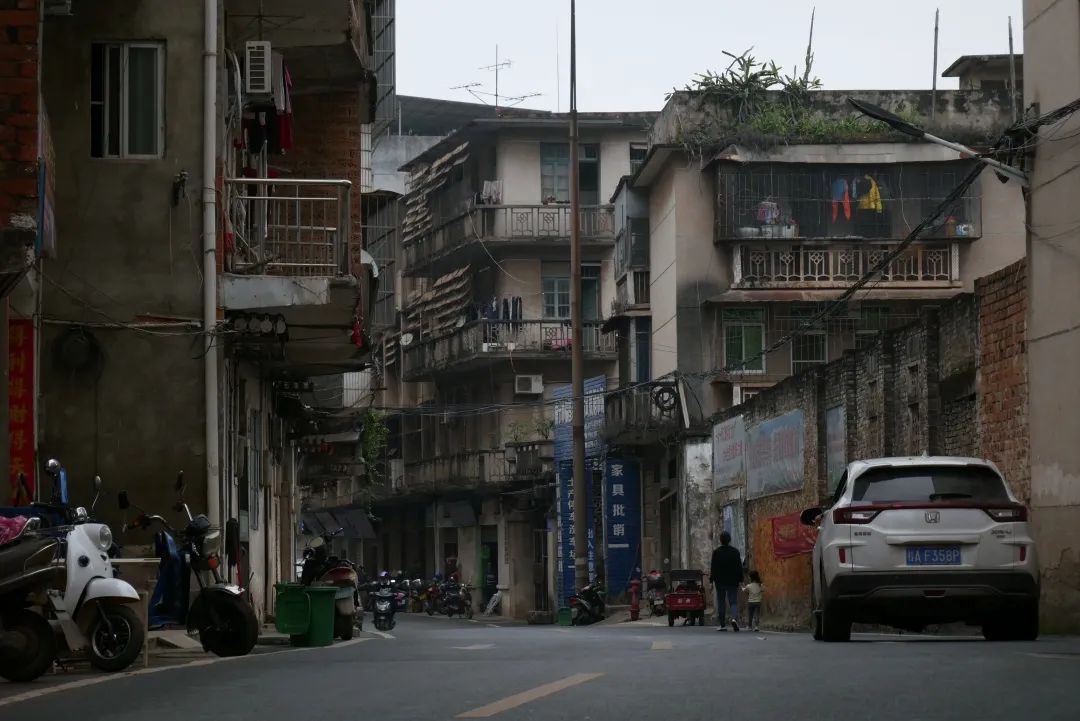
{"points": [[929, 483]]}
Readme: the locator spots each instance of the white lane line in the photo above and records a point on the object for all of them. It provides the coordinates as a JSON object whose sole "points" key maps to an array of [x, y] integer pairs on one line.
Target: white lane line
{"points": [[383, 634], [520, 699], [105, 678], [1059, 656], [475, 647], [494, 625], [661, 646]]}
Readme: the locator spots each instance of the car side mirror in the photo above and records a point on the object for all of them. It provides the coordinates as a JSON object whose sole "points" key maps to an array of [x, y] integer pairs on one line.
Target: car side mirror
{"points": [[122, 501], [810, 516]]}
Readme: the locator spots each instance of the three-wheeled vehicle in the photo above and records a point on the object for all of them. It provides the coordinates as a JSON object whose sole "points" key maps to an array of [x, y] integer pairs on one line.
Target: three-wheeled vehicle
{"points": [[686, 599]]}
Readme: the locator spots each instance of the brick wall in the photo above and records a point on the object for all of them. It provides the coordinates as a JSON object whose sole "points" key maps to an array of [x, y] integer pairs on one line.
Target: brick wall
{"points": [[1002, 374], [19, 101]]}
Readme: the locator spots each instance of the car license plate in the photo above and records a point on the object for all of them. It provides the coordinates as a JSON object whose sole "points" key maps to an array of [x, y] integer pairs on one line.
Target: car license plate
{"points": [[933, 556]]}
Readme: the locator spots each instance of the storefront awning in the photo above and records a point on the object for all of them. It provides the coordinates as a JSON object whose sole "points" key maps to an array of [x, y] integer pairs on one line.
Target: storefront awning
{"points": [[356, 524]]}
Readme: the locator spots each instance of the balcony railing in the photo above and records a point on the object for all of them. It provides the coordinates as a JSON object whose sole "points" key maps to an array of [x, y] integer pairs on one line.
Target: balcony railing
{"points": [[530, 460], [290, 226], [762, 265], [642, 414], [461, 470], [503, 338], [510, 223]]}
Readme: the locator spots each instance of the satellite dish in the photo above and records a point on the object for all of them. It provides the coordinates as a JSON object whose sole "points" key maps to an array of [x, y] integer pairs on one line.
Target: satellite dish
{"points": [[406, 338]]}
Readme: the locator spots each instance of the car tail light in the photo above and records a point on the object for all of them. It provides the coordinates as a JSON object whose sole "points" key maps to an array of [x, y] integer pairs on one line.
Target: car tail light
{"points": [[843, 555], [1023, 553], [1007, 514], [855, 515]]}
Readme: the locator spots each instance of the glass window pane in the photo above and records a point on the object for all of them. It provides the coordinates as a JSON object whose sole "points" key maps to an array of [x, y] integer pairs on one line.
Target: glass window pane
{"points": [[112, 101], [142, 98], [733, 341], [753, 344]]}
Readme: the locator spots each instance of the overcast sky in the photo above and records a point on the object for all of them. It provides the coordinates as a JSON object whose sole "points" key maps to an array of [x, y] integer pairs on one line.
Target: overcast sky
{"points": [[631, 52]]}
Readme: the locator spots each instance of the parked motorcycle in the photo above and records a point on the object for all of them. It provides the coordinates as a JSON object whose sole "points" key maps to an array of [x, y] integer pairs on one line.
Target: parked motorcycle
{"points": [[226, 622], [433, 597], [94, 609], [655, 590], [457, 599], [587, 605], [384, 605], [417, 595], [27, 641], [322, 568]]}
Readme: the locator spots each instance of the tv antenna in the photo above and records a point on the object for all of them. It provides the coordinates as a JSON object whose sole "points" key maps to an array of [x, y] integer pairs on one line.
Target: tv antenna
{"points": [[500, 101]]}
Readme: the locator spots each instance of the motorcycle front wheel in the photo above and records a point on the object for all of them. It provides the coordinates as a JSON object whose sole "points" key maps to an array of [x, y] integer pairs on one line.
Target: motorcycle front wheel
{"points": [[31, 655], [116, 638], [238, 630]]}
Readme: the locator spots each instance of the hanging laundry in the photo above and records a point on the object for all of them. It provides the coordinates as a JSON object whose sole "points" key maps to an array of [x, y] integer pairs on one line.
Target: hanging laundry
{"points": [[285, 113], [840, 197], [506, 309], [872, 199], [768, 212]]}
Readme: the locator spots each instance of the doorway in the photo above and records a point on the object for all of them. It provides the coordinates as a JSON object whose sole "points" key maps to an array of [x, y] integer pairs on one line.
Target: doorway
{"points": [[489, 562]]}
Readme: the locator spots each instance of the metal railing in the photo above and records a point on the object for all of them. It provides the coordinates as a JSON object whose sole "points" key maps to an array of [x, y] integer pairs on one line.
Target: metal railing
{"points": [[290, 226], [504, 338], [832, 265], [531, 459], [501, 223], [642, 414], [460, 470]]}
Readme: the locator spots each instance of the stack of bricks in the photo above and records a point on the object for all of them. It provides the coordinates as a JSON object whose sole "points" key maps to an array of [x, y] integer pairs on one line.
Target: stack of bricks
{"points": [[1002, 374], [19, 108]]}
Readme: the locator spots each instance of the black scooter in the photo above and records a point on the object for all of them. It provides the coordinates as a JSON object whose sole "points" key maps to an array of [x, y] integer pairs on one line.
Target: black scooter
{"points": [[587, 605], [27, 641], [384, 605]]}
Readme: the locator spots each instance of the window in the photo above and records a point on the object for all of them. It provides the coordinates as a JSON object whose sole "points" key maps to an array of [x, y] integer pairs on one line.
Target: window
{"points": [[642, 349], [872, 320], [555, 173], [741, 393], [590, 292], [929, 483], [556, 284], [556, 297], [810, 346], [127, 100], [638, 151], [744, 340]]}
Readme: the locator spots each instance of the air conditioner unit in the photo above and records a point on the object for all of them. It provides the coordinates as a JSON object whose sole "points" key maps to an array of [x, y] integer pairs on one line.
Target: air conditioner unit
{"points": [[260, 68], [529, 385]]}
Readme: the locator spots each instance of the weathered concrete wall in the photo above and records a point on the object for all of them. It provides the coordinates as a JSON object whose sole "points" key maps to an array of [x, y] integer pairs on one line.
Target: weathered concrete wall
{"points": [[123, 251]]}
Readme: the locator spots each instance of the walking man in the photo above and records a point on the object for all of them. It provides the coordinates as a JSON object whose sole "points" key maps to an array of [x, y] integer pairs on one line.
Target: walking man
{"points": [[726, 572]]}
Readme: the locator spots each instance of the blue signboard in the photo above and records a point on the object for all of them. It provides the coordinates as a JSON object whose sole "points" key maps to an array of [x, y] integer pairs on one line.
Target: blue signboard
{"points": [[594, 419], [622, 522], [566, 531]]}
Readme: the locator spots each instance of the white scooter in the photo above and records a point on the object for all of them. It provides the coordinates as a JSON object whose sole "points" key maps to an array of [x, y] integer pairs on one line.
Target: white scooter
{"points": [[94, 609]]}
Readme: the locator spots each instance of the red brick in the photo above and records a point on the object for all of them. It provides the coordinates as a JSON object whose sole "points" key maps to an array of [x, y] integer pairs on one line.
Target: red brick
{"points": [[28, 4], [28, 103], [19, 86], [27, 34], [18, 18], [21, 120], [29, 70], [18, 52]]}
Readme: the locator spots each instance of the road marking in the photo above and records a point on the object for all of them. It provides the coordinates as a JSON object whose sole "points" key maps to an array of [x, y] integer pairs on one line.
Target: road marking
{"points": [[520, 699], [383, 634], [105, 678], [475, 647], [661, 645], [1059, 656], [493, 625]]}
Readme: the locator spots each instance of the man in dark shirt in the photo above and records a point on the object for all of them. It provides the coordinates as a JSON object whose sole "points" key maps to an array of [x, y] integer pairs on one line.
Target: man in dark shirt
{"points": [[726, 572]]}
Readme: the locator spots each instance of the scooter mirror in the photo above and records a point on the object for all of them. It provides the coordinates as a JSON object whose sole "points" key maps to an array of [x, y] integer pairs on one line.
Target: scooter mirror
{"points": [[180, 483], [97, 484], [52, 467], [122, 501]]}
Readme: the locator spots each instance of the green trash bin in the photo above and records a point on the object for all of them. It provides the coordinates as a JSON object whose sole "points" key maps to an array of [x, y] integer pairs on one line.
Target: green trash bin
{"points": [[292, 609], [565, 617], [320, 630]]}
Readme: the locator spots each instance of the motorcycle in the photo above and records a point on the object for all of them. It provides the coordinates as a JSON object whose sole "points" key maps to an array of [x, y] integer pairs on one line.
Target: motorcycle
{"points": [[587, 605], [417, 595], [94, 609], [27, 641], [655, 590], [457, 599], [333, 571], [385, 607], [433, 597], [225, 621]]}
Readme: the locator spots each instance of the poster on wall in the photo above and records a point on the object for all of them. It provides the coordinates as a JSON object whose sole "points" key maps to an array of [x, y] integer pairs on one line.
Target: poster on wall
{"points": [[563, 425], [729, 446], [774, 455], [622, 522], [790, 537], [733, 520], [21, 411], [566, 547], [835, 444]]}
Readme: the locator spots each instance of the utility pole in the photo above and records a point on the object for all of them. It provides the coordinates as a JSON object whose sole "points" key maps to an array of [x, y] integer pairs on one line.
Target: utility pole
{"points": [[577, 361], [933, 93]]}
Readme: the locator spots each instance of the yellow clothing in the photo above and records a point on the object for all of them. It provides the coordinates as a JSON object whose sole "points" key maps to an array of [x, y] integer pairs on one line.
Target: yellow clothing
{"points": [[871, 200]]}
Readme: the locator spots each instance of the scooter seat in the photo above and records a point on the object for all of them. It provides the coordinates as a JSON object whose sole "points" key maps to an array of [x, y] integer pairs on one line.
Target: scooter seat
{"points": [[30, 553], [12, 528]]}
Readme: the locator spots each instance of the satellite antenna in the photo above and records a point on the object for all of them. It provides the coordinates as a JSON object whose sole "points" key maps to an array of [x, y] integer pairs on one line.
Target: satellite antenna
{"points": [[500, 101]]}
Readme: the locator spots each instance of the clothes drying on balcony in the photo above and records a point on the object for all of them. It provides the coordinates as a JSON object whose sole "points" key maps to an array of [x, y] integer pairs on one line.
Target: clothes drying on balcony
{"points": [[418, 218]]}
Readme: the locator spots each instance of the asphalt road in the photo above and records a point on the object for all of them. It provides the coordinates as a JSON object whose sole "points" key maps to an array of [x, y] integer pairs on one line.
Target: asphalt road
{"points": [[442, 669]]}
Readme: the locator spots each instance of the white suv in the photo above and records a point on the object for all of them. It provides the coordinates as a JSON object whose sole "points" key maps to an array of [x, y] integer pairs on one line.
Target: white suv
{"points": [[908, 542]]}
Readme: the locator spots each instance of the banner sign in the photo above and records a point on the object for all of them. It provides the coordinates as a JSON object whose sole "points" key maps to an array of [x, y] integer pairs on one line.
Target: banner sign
{"points": [[21, 410], [774, 456], [790, 537], [835, 444], [729, 447], [622, 522], [566, 531], [563, 430]]}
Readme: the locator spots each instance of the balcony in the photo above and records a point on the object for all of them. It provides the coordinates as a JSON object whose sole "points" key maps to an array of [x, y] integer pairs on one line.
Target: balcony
{"points": [[484, 340], [544, 230], [530, 460], [642, 415], [837, 265], [460, 471]]}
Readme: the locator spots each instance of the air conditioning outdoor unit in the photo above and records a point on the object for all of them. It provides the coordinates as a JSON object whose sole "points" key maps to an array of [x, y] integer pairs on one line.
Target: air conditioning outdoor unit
{"points": [[260, 68], [529, 385]]}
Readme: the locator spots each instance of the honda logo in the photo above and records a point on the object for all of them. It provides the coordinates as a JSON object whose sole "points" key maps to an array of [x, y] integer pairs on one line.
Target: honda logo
{"points": [[933, 516]]}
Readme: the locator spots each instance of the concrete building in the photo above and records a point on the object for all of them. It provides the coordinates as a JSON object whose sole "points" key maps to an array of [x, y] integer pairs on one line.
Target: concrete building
{"points": [[1051, 33], [480, 356], [736, 239], [126, 385]]}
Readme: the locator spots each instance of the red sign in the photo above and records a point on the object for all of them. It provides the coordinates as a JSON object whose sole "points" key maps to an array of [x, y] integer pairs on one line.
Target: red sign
{"points": [[21, 410], [790, 537]]}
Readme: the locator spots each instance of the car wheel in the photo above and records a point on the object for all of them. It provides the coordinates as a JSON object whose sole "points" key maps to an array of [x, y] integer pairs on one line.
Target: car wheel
{"points": [[671, 619], [835, 625], [1019, 625], [817, 625]]}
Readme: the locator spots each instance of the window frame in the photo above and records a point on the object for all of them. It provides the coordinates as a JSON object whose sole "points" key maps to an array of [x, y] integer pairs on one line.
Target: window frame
{"points": [[636, 165], [123, 126], [818, 333], [729, 319], [559, 281]]}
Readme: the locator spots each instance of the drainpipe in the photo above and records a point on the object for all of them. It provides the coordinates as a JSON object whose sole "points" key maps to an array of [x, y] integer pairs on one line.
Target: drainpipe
{"points": [[209, 200]]}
